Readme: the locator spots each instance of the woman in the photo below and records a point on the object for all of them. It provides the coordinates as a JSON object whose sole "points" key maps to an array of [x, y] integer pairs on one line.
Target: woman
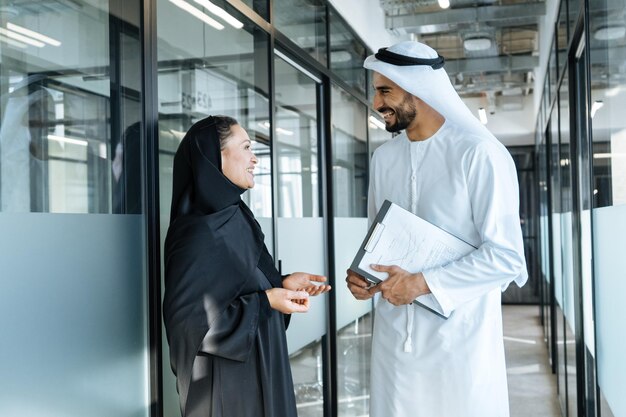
{"points": [[223, 295]]}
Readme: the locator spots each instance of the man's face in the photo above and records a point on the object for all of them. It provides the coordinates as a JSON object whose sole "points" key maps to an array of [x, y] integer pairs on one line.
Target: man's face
{"points": [[395, 105]]}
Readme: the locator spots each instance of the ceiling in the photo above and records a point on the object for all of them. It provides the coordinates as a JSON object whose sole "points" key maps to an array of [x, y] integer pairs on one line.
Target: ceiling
{"points": [[490, 46]]}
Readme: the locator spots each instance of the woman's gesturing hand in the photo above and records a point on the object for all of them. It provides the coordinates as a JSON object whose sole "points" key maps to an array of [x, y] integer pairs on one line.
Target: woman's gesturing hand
{"points": [[288, 301], [302, 281]]}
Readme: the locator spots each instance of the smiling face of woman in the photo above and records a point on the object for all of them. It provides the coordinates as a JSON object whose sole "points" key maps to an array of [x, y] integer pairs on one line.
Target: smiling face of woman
{"points": [[238, 161]]}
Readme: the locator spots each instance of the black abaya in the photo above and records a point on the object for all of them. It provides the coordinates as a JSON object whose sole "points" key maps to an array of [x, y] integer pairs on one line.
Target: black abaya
{"points": [[227, 345]]}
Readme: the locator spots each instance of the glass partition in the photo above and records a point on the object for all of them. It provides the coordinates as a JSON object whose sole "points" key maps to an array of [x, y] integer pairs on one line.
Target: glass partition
{"points": [[568, 367], [354, 321], [73, 303], [347, 53], [562, 37], [304, 22], [300, 226], [555, 197], [206, 69], [377, 132], [608, 98]]}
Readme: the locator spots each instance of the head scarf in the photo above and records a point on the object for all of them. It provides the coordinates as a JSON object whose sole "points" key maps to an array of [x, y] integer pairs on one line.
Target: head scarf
{"points": [[418, 69], [213, 247]]}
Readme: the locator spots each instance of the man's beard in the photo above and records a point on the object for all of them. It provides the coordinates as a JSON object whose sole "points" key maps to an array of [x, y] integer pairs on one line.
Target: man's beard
{"points": [[404, 113]]}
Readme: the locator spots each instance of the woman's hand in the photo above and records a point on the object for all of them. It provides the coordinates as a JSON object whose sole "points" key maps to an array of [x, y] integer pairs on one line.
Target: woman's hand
{"points": [[306, 282], [288, 301]]}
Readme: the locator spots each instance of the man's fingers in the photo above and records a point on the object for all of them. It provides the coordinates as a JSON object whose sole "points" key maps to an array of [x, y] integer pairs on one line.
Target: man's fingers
{"points": [[357, 280], [384, 268], [374, 289], [351, 272]]}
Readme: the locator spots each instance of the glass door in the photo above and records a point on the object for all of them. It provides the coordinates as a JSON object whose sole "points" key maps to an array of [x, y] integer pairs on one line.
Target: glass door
{"points": [[582, 236], [300, 220]]}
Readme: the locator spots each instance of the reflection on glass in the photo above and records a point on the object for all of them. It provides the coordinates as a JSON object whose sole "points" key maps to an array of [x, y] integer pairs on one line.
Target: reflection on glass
{"points": [[299, 215], [349, 145], [607, 45], [307, 371], [567, 255], [562, 37], [304, 22], [347, 53], [524, 157], [296, 142], [574, 11], [350, 164], [544, 226], [203, 71], [377, 132], [72, 309], [69, 136], [354, 346], [259, 6]]}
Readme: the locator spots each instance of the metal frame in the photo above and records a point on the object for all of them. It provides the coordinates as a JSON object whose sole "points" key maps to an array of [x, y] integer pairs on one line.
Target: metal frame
{"points": [[150, 135]]}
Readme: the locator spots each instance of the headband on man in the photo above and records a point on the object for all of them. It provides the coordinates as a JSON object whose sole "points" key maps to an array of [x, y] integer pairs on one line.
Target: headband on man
{"points": [[402, 60]]}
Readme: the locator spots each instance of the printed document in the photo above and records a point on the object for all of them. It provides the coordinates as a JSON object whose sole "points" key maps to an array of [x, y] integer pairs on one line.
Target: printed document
{"points": [[399, 237]]}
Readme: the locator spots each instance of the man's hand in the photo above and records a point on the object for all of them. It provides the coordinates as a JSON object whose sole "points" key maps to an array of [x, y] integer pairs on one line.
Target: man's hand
{"points": [[358, 286], [401, 287], [302, 281]]}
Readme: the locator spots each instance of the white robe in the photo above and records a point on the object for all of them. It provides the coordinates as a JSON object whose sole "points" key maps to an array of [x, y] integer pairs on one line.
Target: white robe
{"points": [[466, 185]]}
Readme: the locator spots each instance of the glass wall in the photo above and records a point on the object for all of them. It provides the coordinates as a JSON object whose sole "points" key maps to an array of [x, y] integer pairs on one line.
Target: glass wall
{"points": [[347, 53], [607, 46], [304, 22], [354, 323], [300, 214], [524, 158], [586, 183], [77, 176], [72, 248], [206, 68]]}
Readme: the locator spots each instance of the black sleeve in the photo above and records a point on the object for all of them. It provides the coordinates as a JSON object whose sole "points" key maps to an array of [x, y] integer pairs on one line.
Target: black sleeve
{"points": [[232, 334]]}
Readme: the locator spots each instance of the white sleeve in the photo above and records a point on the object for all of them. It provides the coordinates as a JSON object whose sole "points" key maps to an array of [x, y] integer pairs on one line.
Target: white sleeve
{"points": [[492, 187], [371, 193]]}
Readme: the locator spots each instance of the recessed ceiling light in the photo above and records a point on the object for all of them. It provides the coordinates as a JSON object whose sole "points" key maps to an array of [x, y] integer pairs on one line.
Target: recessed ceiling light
{"points": [[477, 44], [610, 32]]}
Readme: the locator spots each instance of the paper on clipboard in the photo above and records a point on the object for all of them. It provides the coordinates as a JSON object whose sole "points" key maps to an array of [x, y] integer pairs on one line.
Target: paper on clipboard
{"points": [[399, 237]]}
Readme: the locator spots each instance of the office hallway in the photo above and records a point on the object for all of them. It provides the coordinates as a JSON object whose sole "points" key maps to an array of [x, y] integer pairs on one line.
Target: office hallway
{"points": [[532, 386]]}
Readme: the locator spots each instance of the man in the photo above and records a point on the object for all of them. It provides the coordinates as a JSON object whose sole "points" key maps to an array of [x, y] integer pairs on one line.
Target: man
{"points": [[448, 169]]}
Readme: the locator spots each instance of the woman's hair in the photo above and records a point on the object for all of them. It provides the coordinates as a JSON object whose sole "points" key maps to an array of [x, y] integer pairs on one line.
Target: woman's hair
{"points": [[223, 125]]}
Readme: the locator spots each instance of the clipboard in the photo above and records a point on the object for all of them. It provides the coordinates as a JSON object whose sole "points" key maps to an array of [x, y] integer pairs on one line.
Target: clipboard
{"points": [[399, 237]]}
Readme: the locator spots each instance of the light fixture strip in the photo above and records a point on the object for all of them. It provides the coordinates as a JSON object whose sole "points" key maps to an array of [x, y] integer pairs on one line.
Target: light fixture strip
{"points": [[21, 38], [33, 34], [444, 4], [284, 131], [63, 139], [597, 105], [12, 42], [377, 122], [482, 115], [198, 13], [218, 11]]}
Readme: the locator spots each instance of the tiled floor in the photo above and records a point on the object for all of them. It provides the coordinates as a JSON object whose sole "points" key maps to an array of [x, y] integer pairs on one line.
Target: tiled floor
{"points": [[532, 386]]}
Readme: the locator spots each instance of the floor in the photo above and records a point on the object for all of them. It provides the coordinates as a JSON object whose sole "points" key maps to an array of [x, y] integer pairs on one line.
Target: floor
{"points": [[532, 386]]}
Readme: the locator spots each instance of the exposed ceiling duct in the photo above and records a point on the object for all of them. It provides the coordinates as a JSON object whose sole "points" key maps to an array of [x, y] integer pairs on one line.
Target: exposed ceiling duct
{"points": [[491, 47]]}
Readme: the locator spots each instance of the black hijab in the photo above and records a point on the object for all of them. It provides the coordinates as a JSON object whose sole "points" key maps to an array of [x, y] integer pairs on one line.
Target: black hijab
{"points": [[213, 246]]}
